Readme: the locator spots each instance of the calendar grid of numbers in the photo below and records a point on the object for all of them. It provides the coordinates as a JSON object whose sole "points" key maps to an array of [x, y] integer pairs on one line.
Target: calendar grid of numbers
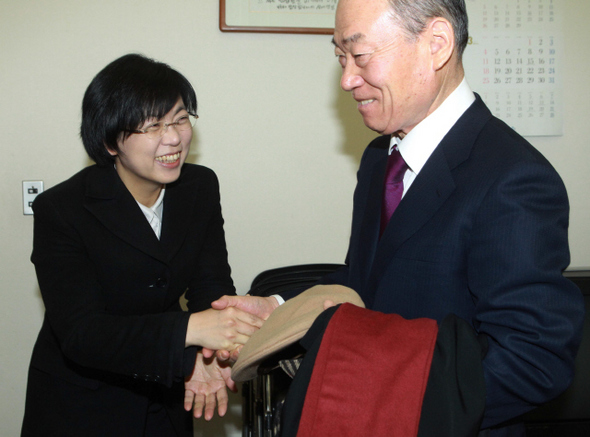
{"points": [[513, 62]]}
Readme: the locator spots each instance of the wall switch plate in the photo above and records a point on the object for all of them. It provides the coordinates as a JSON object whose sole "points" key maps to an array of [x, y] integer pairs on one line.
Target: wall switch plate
{"points": [[30, 190]]}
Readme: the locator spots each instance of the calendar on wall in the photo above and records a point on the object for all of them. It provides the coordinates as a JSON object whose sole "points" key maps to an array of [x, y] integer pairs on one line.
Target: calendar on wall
{"points": [[513, 62]]}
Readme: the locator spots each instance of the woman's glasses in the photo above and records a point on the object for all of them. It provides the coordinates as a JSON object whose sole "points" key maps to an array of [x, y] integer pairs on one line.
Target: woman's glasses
{"points": [[159, 128]]}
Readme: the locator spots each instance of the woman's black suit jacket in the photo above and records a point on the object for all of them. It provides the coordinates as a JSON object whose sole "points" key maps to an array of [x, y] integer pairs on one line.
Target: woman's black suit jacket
{"points": [[112, 341]]}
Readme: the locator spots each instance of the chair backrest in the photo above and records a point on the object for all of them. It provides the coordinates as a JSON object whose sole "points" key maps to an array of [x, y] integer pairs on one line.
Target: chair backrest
{"points": [[574, 404], [281, 279]]}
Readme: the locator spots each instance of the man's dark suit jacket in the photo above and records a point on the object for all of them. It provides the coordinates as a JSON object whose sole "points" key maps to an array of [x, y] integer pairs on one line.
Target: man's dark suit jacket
{"points": [[481, 233], [112, 341]]}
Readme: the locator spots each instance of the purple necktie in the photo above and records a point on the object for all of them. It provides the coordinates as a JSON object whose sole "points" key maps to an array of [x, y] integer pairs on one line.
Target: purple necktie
{"points": [[394, 186]]}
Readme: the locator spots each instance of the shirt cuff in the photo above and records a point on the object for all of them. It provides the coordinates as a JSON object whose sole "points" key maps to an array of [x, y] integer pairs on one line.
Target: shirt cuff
{"points": [[279, 299]]}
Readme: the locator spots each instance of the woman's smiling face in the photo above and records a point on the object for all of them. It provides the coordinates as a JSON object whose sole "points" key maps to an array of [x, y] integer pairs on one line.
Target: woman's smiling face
{"points": [[147, 164]]}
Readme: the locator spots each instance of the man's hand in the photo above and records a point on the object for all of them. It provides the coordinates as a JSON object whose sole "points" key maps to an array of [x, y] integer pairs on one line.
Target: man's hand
{"points": [[207, 386], [260, 307], [328, 304]]}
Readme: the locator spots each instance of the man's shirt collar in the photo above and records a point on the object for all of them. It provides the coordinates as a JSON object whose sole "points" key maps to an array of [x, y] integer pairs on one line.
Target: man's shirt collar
{"points": [[418, 145]]}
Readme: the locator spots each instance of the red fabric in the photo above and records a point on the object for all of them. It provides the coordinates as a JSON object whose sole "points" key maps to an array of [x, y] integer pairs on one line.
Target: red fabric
{"points": [[369, 376]]}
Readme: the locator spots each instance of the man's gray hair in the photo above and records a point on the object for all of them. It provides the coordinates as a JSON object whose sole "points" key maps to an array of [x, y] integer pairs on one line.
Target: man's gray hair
{"points": [[413, 15]]}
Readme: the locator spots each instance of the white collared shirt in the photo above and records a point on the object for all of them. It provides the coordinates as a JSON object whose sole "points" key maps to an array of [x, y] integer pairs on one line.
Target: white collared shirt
{"points": [[420, 142], [153, 214]]}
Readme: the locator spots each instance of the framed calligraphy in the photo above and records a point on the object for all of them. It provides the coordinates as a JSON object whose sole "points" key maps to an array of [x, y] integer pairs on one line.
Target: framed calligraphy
{"points": [[277, 16]]}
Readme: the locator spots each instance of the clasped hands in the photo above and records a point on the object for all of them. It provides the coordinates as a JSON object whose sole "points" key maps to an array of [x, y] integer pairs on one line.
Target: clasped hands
{"points": [[221, 331]]}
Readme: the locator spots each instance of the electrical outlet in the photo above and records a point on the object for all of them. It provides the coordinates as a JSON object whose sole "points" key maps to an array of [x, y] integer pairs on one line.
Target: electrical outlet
{"points": [[30, 190]]}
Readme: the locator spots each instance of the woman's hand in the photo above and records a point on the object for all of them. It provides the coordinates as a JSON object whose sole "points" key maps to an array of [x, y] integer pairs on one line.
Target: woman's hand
{"points": [[207, 386], [221, 329], [259, 306]]}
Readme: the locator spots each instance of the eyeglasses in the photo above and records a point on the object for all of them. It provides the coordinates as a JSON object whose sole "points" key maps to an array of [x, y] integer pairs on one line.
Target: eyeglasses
{"points": [[158, 129]]}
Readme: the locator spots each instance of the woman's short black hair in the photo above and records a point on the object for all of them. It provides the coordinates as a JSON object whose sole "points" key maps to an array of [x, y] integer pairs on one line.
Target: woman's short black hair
{"points": [[125, 94]]}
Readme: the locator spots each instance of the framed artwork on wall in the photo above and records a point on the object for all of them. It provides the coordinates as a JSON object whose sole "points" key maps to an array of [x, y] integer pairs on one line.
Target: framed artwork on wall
{"points": [[277, 16]]}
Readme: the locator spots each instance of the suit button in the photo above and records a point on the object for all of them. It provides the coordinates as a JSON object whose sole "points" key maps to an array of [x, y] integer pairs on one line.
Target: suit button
{"points": [[161, 283]]}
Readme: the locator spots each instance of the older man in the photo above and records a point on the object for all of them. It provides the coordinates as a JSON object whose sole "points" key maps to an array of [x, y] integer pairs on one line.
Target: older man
{"points": [[454, 212]]}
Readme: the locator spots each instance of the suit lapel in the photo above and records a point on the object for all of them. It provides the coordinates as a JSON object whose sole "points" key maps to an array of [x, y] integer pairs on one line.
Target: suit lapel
{"points": [[179, 201], [112, 204], [429, 191], [371, 220]]}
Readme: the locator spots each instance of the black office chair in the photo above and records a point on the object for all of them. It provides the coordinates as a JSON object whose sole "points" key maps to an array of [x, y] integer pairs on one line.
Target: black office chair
{"points": [[264, 396]]}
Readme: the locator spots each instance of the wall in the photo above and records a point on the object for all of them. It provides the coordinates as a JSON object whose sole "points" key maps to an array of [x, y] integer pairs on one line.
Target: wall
{"points": [[283, 139]]}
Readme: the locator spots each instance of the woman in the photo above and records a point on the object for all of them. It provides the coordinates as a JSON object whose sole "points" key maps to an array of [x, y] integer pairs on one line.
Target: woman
{"points": [[115, 247]]}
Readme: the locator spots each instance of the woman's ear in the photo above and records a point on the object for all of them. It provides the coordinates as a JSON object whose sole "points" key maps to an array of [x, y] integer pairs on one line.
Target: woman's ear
{"points": [[442, 42], [113, 152]]}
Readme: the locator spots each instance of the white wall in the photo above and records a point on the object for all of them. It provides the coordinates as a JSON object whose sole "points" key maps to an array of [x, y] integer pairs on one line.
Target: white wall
{"points": [[283, 139]]}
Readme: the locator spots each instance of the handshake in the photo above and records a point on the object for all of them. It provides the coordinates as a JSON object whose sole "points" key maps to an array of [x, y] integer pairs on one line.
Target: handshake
{"points": [[221, 331]]}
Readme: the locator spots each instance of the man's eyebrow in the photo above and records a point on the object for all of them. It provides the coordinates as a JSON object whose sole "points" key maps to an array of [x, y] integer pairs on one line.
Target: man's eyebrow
{"points": [[351, 39]]}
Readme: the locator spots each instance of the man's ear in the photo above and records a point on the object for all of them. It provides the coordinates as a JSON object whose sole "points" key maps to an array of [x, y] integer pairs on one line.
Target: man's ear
{"points": [[111, 151], [442, 42]]}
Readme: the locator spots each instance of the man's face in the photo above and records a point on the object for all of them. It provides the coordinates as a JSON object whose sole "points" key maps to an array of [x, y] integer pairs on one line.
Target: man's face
{"points": [[389, 76]]}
